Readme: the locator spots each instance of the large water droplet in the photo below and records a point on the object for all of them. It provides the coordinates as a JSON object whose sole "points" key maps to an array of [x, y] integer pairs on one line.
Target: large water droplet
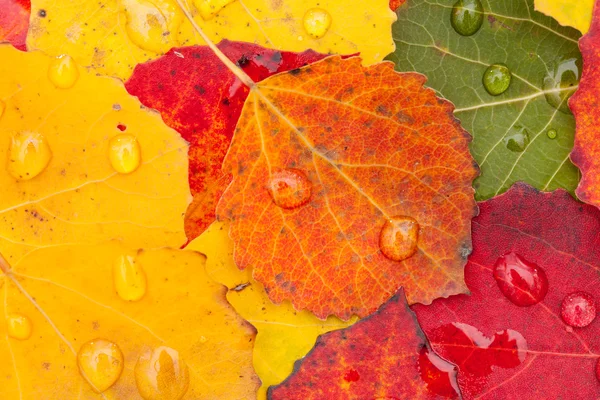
{"points": [[18, 326], [317, 22], [63, 72], [561, 82], [518, 139], [467, 16], [552, 134], [496, 79], [210, 8], [578, 309], [124, 153], [289, 188], [28, 155], [522, 282], [161, 375], [439, 375], [153, 25], [129, 279], [398, 237], [100, 363]]}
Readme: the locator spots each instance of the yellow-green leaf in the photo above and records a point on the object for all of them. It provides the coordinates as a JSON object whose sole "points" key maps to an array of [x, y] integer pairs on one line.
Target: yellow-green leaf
{"points": [[577, 14]]}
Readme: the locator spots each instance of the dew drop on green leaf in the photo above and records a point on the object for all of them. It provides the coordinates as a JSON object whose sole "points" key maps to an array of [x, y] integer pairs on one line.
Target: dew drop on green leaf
{"points": [[552, 134], [518, 140], [561, 82], [496, 79], [467, 16]]}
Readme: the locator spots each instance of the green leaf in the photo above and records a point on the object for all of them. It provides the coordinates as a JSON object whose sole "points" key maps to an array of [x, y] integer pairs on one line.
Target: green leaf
{"points": [[510, 131]]}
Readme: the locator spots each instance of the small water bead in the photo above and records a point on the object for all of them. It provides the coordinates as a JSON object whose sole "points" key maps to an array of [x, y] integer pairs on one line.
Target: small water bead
{"points": [[398, 237], [153, 25], [129, 278], [63, 72], [18, 326], [562, 81], [210, 8], [578, 309], [467, 17], [552, 134], [28, 155], [317, 22], [518, 140], [522, 282], [124, 153], [161, 374], [496, 79], [289, 188], [100, 363], [351, 375]]}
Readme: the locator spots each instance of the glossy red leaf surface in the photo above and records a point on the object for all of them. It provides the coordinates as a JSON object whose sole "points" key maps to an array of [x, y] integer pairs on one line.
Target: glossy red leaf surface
{"points": [[200, 98], [510, 338], [14, 21]]}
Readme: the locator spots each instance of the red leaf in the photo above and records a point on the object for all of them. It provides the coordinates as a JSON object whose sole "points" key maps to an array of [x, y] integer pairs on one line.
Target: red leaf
{"points": [[395, 4], [202, 100], [14, 22], [508, 338], [384, 356]]}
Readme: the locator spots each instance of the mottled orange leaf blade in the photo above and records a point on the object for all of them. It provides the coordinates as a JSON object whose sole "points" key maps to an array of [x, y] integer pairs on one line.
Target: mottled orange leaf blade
{"points": [[373, 144]]}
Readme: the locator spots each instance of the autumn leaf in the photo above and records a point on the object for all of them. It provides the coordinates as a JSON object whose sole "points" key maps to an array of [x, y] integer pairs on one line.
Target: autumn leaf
{"points": [[14, 22], [584, 106], [202, 99], [327, 159], [284, 335], [527, 331], [522, 131], [395, 4], [112, 36], [68, 140], [66, 311], [384, 356], [568, 13]]}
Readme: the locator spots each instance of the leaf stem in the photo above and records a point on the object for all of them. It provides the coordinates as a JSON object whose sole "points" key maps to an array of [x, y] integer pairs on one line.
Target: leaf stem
{"points": [[238, 72]]}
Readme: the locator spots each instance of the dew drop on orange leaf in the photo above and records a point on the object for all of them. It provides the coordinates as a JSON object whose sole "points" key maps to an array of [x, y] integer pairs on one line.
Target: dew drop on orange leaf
{"points": [[398, 238], [522, 282], [317, 22], [210, 8], [578, 309], [100, 363], [153, 25], [161, 374], [28, 155], [129, 279], [124, 153], [18, 326], [63, 72], [289, 188]]}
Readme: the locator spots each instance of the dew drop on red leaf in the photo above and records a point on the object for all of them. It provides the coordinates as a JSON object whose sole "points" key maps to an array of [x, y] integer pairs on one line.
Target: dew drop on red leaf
{"points": [[578, 309], [438, 375], [289, 188], [522, 282], [121, 127], [398, 238], [351, 376]]}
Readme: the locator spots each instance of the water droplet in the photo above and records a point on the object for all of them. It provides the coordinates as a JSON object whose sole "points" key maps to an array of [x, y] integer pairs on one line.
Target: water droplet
{"points": [[439, 375], [552, 134], [317, 22], [28, 155], [124, 153], [100, 363], [153, 25], [496, 79], [518, 140], [578, 309], [467, 17], [351, 375], [210, 8], [161, 375], [300, 38], [522, 282], [18, 326], [63, 72], [129, 279], [562, 81], [398, 237], [289, 188]]}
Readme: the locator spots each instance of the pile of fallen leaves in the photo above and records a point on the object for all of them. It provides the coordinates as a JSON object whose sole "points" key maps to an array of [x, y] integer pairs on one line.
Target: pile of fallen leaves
{"points": [[240, 199]]}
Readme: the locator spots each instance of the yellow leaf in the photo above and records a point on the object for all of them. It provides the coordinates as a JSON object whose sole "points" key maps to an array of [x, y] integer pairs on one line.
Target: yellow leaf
{"points": [[284, 334], [577, 14], [58, 182], [113, 36], [181, 336]]}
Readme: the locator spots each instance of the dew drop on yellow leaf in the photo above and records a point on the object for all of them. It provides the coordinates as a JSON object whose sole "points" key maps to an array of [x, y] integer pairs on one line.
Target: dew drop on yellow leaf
{"points": [[152, 25], [28, 155], [63, 72], [100, 363], [210, 8], [129, 278], [577, 14], [18, 326], [161, 374], [284, 334], [124, 153]]}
